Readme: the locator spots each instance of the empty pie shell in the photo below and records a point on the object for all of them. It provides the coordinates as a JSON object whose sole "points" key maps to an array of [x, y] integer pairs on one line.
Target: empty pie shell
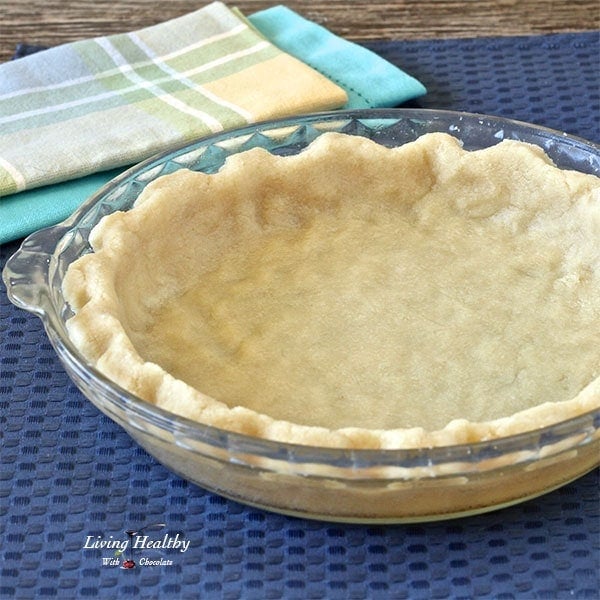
{"points": [[433, 274], [353, 295]]}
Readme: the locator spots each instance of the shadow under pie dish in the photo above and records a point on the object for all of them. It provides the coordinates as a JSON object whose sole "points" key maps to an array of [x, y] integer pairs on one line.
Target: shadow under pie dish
{"points": [[342, 315]]}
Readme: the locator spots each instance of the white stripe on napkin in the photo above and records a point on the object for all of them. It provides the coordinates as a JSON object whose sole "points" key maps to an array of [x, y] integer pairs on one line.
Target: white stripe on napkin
{"points": [[159, 62], [125, 68], [136, 65], [144, 85]]}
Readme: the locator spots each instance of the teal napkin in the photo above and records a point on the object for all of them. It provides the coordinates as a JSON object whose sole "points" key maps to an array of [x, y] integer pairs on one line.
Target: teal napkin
{"points": [[368, 80]]}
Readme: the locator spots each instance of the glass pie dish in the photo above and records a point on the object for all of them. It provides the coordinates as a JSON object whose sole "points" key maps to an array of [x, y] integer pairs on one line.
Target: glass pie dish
{"points": [[357, 485]]}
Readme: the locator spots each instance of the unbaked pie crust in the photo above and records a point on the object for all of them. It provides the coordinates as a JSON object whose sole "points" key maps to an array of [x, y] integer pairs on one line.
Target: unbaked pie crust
{"points": [[353, 295]]}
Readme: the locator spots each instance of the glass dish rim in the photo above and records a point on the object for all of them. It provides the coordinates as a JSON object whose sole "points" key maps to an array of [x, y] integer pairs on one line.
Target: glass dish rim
{"points": [[171, 423], [370, 113]]}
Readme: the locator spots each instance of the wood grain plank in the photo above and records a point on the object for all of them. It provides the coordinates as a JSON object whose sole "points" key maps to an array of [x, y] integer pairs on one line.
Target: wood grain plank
{"points": [[52, 22]]}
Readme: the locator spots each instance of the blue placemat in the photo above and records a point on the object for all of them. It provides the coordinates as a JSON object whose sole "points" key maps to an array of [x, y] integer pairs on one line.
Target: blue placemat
{"points": [[70, 478]]}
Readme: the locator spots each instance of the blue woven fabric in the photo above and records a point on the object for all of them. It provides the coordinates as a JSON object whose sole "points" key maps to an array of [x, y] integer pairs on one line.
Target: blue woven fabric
{"points": [[70, 476]]}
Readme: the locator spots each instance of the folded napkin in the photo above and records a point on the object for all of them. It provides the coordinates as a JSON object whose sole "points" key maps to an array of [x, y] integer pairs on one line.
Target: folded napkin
{"points": [[71, 115]]}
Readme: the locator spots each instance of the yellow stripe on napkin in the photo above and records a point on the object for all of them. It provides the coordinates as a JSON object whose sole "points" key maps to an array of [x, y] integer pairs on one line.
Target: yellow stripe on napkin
{"points": [[271, 88]]}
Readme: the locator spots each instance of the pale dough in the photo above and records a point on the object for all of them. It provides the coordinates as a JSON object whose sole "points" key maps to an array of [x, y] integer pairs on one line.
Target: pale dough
{"points": [[354, 295]]}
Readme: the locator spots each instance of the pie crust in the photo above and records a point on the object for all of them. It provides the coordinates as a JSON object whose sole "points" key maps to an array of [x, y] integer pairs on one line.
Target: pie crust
{"points": [[353, 295]]}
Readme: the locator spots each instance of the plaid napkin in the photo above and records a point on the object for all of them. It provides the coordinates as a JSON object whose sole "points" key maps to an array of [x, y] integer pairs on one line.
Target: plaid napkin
{"points": [[75, 115]]}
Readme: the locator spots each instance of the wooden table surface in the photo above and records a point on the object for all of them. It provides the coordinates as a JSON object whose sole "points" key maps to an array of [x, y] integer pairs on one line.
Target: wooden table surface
{"points": [[51, 22]]}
